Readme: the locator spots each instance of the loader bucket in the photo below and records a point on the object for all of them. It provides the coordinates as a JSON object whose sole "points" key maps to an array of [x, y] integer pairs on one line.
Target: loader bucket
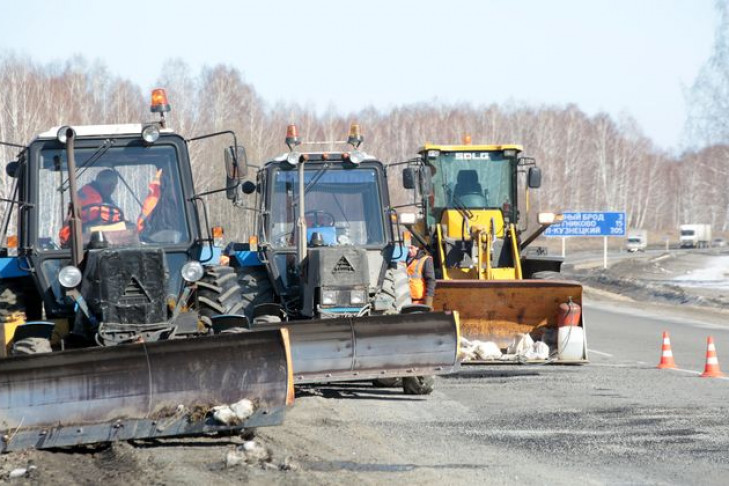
{"points": [[144, 390], [499, 310], [365, 348]]}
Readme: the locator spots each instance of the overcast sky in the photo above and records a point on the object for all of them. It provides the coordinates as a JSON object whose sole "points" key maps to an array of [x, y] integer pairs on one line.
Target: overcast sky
{"points": [[633, 57]]}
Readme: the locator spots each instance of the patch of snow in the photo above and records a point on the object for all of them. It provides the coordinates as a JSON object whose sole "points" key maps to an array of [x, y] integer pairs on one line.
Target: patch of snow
{"points": [[715, 275]]}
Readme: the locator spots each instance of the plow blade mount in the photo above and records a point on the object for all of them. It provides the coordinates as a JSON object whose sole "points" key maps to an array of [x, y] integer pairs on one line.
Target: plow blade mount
{"points": [[144, 390], [365, 348], [499, 310]]}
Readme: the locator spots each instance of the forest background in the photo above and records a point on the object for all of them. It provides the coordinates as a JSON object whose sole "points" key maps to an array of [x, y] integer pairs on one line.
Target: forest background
{"points": [[589, 162]]}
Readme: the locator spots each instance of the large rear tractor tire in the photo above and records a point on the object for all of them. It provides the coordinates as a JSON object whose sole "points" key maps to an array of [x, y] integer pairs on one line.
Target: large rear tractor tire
{"points": [[256, 288], [218, 293], [418, 385]]}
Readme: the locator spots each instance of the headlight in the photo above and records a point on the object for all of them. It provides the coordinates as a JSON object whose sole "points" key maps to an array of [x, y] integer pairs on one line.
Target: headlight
{"points": [[358, 297], [69, 277], [192, 271], [329, 297], [150, 133]]}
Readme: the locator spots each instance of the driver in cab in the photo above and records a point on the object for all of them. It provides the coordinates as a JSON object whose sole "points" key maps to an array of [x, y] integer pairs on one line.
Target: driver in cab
{"points": [[97, 205]]}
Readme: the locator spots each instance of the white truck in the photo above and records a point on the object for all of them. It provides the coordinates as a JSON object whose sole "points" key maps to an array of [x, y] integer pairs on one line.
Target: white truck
{"points": [[694, 235], [637, 240]]}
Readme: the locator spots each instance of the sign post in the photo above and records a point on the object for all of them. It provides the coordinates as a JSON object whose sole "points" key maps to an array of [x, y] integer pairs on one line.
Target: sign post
{"points": [[589, 223]]}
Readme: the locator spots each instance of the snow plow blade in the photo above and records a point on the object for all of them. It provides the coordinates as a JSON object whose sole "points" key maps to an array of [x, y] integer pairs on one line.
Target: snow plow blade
{"points": [[500, 310], [365, 348], [146, 390]]}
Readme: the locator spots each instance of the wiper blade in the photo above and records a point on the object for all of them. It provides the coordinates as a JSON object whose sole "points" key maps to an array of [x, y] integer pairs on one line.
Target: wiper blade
{"points": [[100, 151]]}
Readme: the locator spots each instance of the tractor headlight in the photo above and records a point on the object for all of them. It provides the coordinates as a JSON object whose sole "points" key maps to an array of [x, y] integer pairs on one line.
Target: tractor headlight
{"points": [[192, 271], [329, 297], [358, 297], [150, 134], [69, 277]]}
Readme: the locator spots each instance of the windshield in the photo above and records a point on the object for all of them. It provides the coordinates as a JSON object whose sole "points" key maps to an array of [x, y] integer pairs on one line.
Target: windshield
{"points": [[343, 207], [132, 194], [689, 232], [472, 180]]}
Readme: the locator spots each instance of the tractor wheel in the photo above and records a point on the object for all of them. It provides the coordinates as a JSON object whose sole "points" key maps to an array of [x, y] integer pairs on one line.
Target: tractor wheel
{"points": [[256, 288], [218, 293], [418, 385], [397, 285], [387, 382]]}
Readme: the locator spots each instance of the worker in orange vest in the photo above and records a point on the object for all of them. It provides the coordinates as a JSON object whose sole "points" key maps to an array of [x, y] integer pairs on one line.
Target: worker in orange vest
{"points": [[97, 205], [422, 276]]}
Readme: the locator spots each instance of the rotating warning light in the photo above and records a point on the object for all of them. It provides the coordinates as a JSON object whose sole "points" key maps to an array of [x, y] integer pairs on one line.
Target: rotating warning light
{"points": [[355, 135], [466, 139], [292, 137], [159, 101]]}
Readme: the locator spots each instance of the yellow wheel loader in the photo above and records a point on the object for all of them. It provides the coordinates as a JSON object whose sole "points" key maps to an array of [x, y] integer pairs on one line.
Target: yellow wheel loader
{"points": [[472, 199]]}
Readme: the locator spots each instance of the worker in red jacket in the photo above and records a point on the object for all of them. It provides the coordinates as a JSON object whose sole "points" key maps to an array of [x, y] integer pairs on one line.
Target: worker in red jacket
{"points": [[97, 205], [422, 276]]}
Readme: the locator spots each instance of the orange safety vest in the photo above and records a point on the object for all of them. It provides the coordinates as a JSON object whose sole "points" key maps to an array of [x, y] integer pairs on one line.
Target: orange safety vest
{"points": [[89, 198], [417, 280], [150, 202]]}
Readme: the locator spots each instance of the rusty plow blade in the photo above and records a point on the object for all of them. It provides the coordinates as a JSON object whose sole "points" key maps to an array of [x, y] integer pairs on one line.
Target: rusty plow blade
{"points": [[145, 390], [365, 348], [500, 310]]}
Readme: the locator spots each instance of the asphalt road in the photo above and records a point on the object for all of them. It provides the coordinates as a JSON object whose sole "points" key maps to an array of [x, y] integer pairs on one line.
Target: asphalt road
{"points": [[618, 420]]}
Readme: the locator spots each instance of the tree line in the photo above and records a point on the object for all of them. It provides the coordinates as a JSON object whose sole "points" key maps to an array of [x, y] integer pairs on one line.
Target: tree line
{"points": [[588, 162]]}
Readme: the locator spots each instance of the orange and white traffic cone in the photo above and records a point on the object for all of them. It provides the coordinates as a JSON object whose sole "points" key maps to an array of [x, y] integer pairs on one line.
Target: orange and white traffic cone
{"points": [[712, 362], [667, 361]]}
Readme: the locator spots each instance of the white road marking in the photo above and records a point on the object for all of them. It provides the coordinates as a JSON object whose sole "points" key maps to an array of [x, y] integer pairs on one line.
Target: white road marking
{"points": [[600, 353]]}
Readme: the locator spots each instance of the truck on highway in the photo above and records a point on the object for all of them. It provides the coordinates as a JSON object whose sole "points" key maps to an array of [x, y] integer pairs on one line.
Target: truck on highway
{"points": [[694, 235], [637, 240]]}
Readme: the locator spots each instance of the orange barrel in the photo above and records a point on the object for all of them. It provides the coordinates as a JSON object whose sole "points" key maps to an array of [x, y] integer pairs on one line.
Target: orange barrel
{"points": [[569, 314]]}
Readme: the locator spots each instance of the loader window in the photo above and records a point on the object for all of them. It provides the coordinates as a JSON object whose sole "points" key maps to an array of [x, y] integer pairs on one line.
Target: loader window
{"points": [[473, 180], [343, 206], [133, 194]]}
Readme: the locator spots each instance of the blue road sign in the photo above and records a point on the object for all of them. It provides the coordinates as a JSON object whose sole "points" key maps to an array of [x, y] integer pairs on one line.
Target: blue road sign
{"points": [[595, 223]]}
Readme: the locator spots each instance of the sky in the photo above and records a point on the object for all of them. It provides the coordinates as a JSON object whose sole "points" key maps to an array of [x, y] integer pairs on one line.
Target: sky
{"points": [[632, 58]]}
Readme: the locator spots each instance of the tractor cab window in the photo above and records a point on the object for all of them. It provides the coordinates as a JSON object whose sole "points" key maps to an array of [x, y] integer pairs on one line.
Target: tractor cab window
{"points": [[472, 180], [132, 194], [342, 207]]}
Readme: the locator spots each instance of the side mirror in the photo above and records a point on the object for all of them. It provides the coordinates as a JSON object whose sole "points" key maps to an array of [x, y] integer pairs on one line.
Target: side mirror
{"points": [[236, 162], [248, 187], [408, 178], [12, 168], [534, 178], [236, 168]]}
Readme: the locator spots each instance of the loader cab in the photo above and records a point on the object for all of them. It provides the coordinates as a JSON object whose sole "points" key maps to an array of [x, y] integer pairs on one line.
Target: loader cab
{"points": [[468, 178], [136, 196]]}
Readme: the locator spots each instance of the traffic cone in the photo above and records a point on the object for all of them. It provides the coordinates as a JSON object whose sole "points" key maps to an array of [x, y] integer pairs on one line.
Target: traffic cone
{"points": [[667, 361], [712, 363]]}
